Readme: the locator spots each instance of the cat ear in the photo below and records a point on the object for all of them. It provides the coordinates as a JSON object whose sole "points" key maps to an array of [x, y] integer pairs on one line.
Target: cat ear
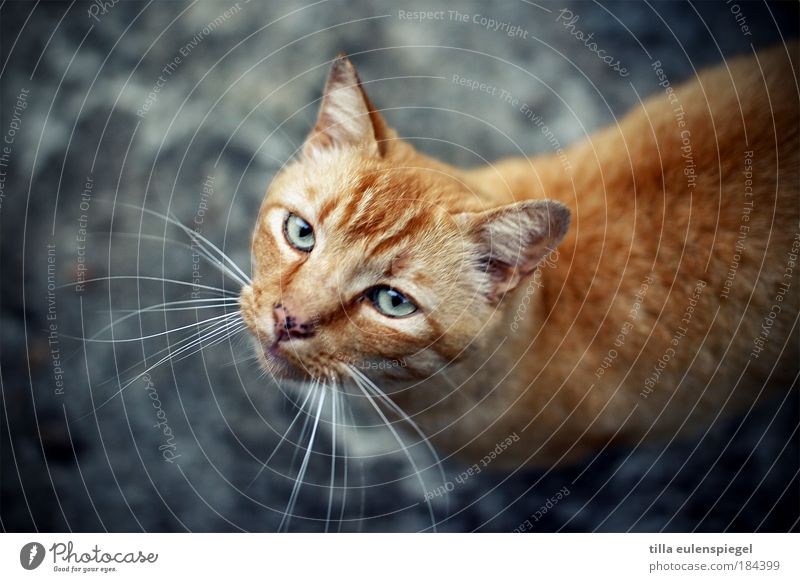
{"points": [[511, 240], [346, 117]]}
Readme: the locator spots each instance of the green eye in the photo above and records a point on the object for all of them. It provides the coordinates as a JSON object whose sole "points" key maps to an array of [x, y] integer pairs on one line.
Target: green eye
{"points": [[299, 233], [391, 302]]}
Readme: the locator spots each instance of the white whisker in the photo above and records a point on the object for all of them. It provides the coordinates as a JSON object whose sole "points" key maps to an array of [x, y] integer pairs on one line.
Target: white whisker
{"points": [[405, 450], [159, 334], [189, 308], [194, 235], [299, 481], [246, 359], [232, 301], [182, 341], [306, 421], [345, 462], [402, 414], [159, 279], [223, 327], [362, 497], [285, 434], [204, 253], [334, 399]]}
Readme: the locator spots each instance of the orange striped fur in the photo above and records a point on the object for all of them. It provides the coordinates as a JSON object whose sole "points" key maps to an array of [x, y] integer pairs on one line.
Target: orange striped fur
{"points": [[511, 337]]}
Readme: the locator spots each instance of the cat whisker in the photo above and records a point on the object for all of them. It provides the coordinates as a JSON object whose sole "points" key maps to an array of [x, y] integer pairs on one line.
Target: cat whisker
{"points": [[187, 308], [301, 475], [238, 327], [204, 252], [246, 359], [177, 344], [198, 304], [402, 445], [199, 238], [218, 331], [225, 328], [306, 422], [402, 414], [334, 400], [285, 434], [362, 502], [159, 334], [339, 398], [347, 414], [224, 292]]}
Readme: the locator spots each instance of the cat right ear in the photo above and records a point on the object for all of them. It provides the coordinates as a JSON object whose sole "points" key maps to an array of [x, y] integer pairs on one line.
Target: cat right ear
{"points": [[346, 117], [513, 239]]}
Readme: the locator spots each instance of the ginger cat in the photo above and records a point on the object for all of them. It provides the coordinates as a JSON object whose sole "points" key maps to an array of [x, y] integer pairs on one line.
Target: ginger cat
{"points": [[642, 284]]}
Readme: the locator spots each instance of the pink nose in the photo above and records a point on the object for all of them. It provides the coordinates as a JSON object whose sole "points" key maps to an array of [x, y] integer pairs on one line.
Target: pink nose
{"points": [[288, 326]]}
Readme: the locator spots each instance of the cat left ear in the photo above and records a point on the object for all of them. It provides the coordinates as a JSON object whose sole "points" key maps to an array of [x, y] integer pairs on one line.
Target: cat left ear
{"points": [[346, 117], [513, 239]]}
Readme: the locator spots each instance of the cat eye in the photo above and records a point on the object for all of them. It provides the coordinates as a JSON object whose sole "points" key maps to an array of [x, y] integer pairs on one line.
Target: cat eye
{"points": [[299, 233], [391, 302]]}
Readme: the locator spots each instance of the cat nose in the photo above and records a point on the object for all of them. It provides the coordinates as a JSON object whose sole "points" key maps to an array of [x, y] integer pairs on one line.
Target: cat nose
{"points": [[289, 326]]}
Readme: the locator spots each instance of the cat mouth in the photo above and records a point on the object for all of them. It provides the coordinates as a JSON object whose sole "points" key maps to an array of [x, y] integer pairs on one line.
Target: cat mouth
{"points": [[281, 360]]}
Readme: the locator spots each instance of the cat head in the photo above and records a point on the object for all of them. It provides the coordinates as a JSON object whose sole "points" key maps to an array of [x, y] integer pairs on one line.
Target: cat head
{"points": [[369, 254]]}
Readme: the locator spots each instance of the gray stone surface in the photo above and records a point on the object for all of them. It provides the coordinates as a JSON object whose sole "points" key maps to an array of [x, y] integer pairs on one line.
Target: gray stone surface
{"points": [[234, 109]]}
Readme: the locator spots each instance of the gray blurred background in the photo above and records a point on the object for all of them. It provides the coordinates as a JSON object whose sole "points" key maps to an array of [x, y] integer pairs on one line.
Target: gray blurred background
{"points": [[75, 83]]}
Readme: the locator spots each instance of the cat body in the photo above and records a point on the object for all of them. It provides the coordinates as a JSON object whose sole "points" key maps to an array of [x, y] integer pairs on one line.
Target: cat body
{"points": [[641, 285], [685, 220]]}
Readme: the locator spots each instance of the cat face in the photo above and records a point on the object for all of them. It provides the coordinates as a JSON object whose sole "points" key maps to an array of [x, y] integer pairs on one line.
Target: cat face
{"points": [[366, 254]]}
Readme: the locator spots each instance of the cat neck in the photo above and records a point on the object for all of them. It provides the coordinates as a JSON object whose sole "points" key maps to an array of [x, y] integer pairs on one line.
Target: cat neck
{"points": [[530, 318], [513, 180]]}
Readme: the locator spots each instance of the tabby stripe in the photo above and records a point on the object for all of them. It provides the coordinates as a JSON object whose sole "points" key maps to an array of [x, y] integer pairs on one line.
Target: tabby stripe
{"points": [[438, 345], [411, 226], [349, 211], [326, 209], [287, 277]]}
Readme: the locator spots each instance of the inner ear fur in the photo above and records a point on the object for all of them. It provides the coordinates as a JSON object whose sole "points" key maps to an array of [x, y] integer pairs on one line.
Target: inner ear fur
{"points": [[513, 239], [346, 117]]}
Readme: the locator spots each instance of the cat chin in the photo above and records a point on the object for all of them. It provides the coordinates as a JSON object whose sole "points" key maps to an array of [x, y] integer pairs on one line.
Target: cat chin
{"points": [[277, 365], [282, 367], [282, 370]]}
